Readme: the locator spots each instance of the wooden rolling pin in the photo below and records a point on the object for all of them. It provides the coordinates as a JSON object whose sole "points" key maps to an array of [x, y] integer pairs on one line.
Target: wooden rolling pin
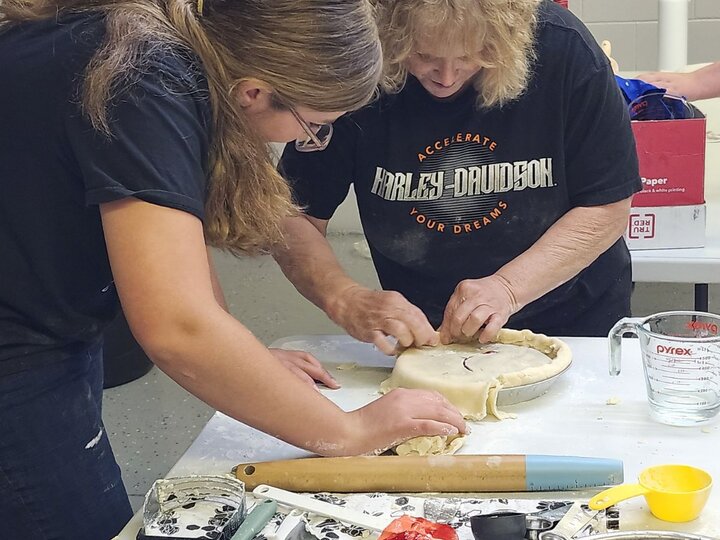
{"points": [[418, 474]]}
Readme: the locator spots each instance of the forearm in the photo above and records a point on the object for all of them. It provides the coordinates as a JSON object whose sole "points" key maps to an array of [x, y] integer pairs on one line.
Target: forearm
{"points": [[708, 81], [217, 359], [366, 314], [568, 247], [165, 284], [308, 261]]}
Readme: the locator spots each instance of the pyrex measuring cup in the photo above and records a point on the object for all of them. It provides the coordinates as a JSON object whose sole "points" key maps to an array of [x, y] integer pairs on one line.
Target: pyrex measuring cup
{"points": [[681, 359], [675, 493]]}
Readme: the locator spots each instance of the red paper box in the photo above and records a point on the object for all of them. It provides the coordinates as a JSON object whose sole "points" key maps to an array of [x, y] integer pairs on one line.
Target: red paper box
{"points": [[672, 161]]}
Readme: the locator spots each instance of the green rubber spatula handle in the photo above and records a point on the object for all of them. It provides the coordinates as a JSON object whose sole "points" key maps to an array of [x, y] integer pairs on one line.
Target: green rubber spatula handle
{"points": [[254, 522]]}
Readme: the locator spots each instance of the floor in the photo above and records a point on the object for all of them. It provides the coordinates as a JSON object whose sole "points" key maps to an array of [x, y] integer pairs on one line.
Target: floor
{"points": [[151, 421]]}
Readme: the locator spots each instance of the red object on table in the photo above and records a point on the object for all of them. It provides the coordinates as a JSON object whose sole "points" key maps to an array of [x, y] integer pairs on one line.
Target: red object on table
{"points": [[417, 528], [563, 3]]}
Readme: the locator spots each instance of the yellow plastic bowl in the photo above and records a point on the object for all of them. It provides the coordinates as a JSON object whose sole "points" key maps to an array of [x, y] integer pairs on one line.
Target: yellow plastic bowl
{"points": [[673, 492]]}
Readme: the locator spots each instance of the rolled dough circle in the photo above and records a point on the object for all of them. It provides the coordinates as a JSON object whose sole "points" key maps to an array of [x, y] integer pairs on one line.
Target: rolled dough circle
{"points": [[469, 375]]}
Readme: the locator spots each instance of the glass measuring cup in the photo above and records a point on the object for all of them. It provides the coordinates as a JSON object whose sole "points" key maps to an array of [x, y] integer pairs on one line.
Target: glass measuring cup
{"points": [[681, 360], [674, 493]]}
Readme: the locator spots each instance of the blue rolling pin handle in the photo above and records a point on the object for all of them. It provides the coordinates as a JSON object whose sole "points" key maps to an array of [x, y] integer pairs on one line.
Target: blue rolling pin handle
{"points": [[550, 473], [254, 522]]}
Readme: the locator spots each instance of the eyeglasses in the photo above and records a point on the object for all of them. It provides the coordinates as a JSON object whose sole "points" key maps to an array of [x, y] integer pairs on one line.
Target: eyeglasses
{"points": [[318, 135]]}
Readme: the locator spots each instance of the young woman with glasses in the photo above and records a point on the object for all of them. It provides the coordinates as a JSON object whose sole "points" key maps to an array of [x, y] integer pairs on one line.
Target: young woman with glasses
{"points": [[133, 133]]}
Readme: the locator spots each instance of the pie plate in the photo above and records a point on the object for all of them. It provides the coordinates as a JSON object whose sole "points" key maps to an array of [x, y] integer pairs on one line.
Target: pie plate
{"points": [[526, 392], [649, 535]]}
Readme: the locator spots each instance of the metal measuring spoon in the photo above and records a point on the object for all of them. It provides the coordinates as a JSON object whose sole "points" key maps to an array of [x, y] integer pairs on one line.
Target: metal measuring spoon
{"points": [[553, 514], [574, 521], [535, 525]]}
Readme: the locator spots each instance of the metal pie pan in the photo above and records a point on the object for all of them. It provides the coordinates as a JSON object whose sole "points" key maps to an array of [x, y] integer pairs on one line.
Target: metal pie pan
{"points": [[526, 392], [649, 535]]}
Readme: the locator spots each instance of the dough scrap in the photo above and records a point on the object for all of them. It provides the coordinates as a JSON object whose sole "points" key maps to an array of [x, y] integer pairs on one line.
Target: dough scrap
{"points": [[430, 446], [346, 366], [470, 375]]}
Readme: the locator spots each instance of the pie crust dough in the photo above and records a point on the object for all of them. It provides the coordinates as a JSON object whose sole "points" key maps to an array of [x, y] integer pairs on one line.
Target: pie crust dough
{"points": [[430, 446], [470, 375]]}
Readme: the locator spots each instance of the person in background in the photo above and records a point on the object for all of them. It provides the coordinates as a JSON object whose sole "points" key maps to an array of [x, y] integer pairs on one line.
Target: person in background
{"points": [[132, 135], [703, 83], [493, 181]]}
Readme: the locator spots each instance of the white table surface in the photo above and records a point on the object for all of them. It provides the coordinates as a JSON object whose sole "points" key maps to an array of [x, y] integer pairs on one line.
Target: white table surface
{"points": [[573, 418], [692, 265]]}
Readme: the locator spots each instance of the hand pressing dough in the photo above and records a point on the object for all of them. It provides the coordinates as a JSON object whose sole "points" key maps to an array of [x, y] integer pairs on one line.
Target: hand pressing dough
{"points": [[470, 375], [430, 446]]}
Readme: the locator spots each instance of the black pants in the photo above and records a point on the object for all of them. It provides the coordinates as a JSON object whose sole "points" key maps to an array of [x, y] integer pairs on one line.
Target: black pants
{"points": [[58, 477]]}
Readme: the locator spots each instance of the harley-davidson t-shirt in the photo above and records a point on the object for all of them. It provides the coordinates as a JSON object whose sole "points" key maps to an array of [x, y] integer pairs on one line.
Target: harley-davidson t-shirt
{"points": [[447, 191]]}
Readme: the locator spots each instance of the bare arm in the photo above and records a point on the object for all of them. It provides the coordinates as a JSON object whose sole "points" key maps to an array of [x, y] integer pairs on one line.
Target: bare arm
{"points": [[164, 280], [217, 288], [703, 83], [308, 261], [569, 246], [304, 365]]}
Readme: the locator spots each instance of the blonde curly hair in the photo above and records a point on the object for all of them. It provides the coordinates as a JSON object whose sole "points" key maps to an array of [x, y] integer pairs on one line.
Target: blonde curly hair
{"points": [[498, 34]]}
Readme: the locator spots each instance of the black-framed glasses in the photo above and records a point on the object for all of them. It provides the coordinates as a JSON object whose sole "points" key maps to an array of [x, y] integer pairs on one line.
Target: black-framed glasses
{"points": [[318, 135]]}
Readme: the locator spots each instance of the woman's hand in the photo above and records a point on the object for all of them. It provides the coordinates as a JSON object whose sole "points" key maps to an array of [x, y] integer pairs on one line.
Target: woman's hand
{"points": [[306, 367], [373, 316], [403, 414], [477, 305], [678, 84]]}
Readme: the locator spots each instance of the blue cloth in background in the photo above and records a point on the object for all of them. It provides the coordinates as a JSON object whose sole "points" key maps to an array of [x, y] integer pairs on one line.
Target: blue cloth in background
{"points": [[648, 102], [634, 88]]}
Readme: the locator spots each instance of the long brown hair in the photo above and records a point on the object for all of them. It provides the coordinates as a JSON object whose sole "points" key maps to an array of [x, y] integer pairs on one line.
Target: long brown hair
{"points": [[321, 54], [500, 34]]}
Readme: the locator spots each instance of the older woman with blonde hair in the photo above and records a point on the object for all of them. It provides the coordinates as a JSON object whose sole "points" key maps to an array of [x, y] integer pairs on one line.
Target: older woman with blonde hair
{"points": [[493, 180], [133, 133]]}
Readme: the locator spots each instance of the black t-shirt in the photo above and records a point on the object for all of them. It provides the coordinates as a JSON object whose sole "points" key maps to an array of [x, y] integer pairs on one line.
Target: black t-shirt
{"points": [[448, 192], [56, 286]]}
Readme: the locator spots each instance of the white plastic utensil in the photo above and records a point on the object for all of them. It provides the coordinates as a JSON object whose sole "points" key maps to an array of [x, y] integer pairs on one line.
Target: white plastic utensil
{"points": [[309, 504], [290, 527]]}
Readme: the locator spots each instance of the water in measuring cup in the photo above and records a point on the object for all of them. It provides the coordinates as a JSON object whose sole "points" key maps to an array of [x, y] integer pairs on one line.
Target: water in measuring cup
{"points": [[683, 382]]}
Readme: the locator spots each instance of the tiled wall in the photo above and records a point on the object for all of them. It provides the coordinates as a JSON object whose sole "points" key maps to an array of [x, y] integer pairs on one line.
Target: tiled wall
{"points": [[631, 26]]}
